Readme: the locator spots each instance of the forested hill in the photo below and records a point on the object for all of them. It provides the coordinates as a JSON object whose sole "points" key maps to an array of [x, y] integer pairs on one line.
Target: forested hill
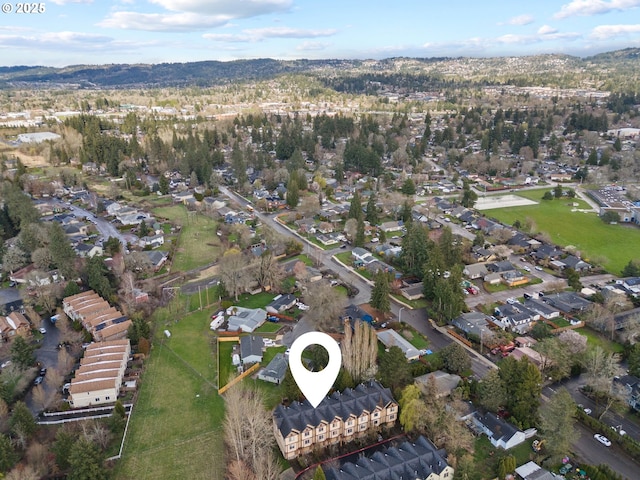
{"points": [[163, 74], [620, 68]]}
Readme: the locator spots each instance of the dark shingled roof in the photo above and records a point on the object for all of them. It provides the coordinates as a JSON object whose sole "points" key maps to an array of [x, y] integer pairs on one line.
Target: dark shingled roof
{"points": [[299, 415], [408, 460]]}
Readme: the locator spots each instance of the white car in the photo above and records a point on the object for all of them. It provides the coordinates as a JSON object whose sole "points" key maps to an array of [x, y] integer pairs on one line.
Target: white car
{"points": [[602, 439], [302, 306], [42, 330], [526, 268]]}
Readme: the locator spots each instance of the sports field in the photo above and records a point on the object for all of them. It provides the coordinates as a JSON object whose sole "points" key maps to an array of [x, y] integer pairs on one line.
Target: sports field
{"points": [[611, 246], [175, 430]]}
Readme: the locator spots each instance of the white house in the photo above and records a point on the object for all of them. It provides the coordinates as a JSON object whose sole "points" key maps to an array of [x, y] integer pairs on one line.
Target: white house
{"points": [[501, 434]]}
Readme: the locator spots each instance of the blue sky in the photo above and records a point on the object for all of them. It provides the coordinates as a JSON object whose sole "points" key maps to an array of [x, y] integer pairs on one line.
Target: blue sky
{"points": [[72, 32]]}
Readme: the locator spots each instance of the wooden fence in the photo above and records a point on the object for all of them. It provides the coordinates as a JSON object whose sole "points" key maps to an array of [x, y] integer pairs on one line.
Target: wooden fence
{"points": [[247, 372]]}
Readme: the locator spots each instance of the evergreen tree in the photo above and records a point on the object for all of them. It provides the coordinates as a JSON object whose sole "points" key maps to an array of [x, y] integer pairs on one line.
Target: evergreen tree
{"points": [[22, 353], [62, 254], [360, 236], [355, 208], [293, 193], [98, 277], [631, 269], [61, 447], [372, 210], [8, 456], [380, 292], [163, 185], [86, 462], [408, 187]]}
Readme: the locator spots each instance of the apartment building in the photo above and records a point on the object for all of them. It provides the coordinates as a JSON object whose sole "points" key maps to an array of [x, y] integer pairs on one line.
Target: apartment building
{"points": [[340, 418], [99, 318], [100, 375]]}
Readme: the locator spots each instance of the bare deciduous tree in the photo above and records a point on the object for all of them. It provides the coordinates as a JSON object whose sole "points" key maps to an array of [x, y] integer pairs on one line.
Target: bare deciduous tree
{"points": [[249, 435], [39, 459], [23, 472], [234, 271], [359, 350], [325, 306]]}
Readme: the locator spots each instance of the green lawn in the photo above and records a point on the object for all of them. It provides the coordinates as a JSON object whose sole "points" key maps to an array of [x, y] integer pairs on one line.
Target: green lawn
{"points": [[175, 430], [608, 245], [345, 257], [259, 300], [268, 327], [225, 350], [595, 339], [414, 304], [198, 244], [416, 340], [302, 257]]}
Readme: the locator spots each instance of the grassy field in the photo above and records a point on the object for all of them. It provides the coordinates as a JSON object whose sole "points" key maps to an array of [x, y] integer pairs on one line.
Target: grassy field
{"points": [[198, 243], [594, 339], [175, 431], [609, 245], [259, 300]]}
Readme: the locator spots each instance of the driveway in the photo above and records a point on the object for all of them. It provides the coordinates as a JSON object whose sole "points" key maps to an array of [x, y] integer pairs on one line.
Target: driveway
{"points": [[47, 355]]}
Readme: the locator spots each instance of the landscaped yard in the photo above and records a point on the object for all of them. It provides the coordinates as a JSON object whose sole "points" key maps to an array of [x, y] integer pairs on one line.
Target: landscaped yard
{"points": [[259, 300], [595, 339], [268, 327], [415, 339], [175, 429], [597, 241], [198, 243]]}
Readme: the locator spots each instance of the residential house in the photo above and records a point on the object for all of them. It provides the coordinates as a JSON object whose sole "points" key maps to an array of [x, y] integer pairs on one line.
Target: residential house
{"points": [[632, 285], [534, 357], [533, 471], [157, 258], [183, 197], [341, 417], [516, 317], [251, 349], [545, 311], [546, 253], [474, 323], [245, 319], [475, 271], [414, 291], [631, 387], [481, 254], [579, 265], [153, 241], [500, 267], [10, 300], [445, 382], [501, 433], [276, 370], [98, 380], [85, 250], [391, 338], [281, 303], [389, 227], [14, 325], [567, 302], [361, 255], [419, 460], [326, 240]]}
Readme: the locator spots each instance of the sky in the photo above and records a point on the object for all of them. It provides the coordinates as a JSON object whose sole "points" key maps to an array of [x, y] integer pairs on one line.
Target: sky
{"points": [[71, 32]]}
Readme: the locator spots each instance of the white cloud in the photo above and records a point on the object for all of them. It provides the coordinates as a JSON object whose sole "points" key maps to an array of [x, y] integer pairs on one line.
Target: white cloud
{"points": [[157, 22], [594, 7], [259, 34], [546, 30], [232, 8], [287, 32], [312, 46], [55, 41], [605, 32], [525, 19]]}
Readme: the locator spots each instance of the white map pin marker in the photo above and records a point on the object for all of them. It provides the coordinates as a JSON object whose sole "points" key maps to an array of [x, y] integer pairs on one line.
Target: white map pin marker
{"points": [[315, 385]]}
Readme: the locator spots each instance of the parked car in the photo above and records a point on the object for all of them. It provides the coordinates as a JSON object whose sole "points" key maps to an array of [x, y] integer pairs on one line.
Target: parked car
{"points": [[539, 268], [42, 330], [587, 411], [5, 364], [273, 319], [526, 268], [38, 380], [43, 371], [602, 439]]}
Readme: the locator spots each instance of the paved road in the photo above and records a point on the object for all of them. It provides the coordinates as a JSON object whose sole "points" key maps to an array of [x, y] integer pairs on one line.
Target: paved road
{"points": [[416, 318], [590, 451]]}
